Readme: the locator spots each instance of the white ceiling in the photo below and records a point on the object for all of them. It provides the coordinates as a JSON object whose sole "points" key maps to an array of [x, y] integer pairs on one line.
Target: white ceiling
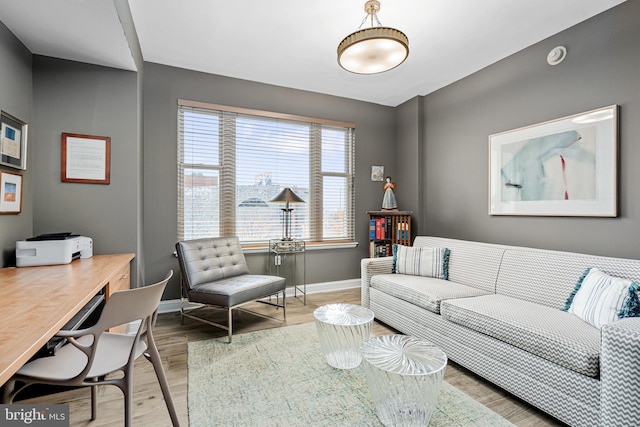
{"points": [[293, 43]]}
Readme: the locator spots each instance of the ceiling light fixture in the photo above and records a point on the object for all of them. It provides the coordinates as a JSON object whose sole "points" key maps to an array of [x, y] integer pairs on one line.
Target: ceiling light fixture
{"points": [[373, 50]]}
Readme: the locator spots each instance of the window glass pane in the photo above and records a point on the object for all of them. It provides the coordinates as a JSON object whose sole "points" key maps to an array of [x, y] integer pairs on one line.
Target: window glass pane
{"points": [[201, 138], [335, 208], [270, 155], [333, 150], [200, 203], [272, 152]]}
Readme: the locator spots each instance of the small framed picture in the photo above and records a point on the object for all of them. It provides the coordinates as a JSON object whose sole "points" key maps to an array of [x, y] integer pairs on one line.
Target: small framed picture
{"points": [[86, 158], [13, 142], [10, 193], [377, 173]]}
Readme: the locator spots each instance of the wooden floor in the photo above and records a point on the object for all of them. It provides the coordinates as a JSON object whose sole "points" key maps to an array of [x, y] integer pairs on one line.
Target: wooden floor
{"points": [[149, 407]]}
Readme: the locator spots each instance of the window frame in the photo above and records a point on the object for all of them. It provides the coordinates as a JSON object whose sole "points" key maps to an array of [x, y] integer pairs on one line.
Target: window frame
{"points": [[227, 183]]}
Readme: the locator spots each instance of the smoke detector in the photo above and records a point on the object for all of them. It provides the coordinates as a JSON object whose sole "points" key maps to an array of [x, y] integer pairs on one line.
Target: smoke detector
{"points": [[557, 55]]}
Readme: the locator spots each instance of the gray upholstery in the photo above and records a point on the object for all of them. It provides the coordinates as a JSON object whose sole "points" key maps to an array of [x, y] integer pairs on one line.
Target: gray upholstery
{"points": [[470, 263], [425, 292], [515, 335], [236, 290], [211, 259], [215, 273], [552, 334]]}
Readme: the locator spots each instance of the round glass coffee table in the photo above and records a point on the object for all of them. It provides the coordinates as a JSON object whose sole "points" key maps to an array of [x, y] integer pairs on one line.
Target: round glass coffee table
{"points": [[404, 376], [342, 328]]}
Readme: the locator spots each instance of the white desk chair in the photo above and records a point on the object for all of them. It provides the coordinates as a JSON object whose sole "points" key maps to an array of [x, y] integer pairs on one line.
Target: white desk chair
{"points": [[92, 353]]}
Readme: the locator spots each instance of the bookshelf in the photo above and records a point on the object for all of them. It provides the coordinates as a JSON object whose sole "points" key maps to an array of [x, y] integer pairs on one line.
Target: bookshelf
{"points": [[387, 228]]}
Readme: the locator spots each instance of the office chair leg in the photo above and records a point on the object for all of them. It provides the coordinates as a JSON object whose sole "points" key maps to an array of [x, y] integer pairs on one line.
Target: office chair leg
{"points": [[94, 401], [127, 388], [153, 356], [7, 390]]}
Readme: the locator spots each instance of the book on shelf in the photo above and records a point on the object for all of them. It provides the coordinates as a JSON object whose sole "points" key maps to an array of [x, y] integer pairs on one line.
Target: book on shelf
{"points": [[372, 229], [403, 231], [379, 249], [380, 228]]}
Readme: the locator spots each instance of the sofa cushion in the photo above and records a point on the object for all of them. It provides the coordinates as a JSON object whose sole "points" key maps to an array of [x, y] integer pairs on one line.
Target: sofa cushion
{"points": [[470, 263], [425, 292], [600, 299], [549, 333], [548, 277], [421, 261]]}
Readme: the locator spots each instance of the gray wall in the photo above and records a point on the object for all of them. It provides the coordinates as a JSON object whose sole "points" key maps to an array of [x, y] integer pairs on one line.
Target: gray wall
{"points": [[93, 100], [126, 19], [375, 136], [601, 69], [15, 99], [410, 175]]}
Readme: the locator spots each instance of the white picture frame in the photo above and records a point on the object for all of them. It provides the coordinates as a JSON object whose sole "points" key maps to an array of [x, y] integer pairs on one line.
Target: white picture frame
{"points": [[562, 167], [13, 141]]}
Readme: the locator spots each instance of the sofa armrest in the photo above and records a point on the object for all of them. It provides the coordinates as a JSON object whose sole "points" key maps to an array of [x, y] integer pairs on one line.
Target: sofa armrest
{"points": [[369, 267], [619, 359]]}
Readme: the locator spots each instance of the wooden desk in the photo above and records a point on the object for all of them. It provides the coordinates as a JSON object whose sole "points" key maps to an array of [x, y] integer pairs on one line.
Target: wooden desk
{"points": [[36, 302]]}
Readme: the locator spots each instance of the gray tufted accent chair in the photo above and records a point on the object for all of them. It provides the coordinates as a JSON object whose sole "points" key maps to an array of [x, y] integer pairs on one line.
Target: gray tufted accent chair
{"points": [[215, 273]]}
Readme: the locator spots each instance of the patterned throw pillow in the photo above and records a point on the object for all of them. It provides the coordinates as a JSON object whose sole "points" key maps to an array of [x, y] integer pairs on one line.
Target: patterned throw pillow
{"points": [[421, 261], [600, 299]]}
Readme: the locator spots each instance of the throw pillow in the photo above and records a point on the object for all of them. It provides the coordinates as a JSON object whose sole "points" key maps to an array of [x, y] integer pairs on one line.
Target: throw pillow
{"points": [[421, 261], [600, 299]]}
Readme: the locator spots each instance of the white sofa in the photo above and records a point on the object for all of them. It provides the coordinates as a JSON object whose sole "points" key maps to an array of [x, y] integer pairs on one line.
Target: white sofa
{"points": [[500, 315]]}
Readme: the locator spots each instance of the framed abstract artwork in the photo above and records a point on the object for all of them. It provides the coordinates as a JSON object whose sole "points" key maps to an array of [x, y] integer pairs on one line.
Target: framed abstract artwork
{"points": [[13, 142], [563, 167], [10, 193]]}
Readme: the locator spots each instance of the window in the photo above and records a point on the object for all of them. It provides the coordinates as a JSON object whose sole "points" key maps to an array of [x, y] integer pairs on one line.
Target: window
{"points": [[232, 162]]}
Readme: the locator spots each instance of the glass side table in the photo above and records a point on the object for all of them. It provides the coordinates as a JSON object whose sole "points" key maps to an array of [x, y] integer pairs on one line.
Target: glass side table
{"points": [[283, 262], [404, 376], [342, 328]]}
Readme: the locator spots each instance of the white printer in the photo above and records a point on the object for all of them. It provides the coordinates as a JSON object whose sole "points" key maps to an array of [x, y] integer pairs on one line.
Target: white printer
{"points": [[53, 248]]}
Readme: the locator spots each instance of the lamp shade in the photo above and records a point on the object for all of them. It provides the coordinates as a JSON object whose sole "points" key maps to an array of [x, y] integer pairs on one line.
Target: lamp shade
{"points": [[287, 195], [373, 50]]}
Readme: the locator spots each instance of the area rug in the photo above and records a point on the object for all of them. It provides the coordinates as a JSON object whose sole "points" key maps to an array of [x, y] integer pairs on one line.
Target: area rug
{"points": [[278, 377]]}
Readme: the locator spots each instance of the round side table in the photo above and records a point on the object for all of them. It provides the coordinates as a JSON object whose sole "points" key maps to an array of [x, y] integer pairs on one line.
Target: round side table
{"points": [[342, 328], [404, 376]]}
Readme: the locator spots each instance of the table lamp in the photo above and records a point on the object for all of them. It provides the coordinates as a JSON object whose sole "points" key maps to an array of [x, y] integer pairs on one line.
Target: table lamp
{"points": [[287, 196]]}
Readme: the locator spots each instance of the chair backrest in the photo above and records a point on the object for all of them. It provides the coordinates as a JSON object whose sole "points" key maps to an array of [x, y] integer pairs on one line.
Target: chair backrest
{"points": [[138, 304], [210, 259], [132, 304]]}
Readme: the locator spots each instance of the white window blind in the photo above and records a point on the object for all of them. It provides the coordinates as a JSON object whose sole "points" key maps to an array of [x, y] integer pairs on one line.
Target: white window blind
{"points": [[232, 162]]}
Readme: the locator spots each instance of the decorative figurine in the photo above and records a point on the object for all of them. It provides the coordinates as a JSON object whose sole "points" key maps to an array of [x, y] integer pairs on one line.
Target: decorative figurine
{"points": [[389, 202]]}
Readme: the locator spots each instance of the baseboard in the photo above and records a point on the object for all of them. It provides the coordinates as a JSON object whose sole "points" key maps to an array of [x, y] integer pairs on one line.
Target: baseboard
{"points": [[173, 305]]}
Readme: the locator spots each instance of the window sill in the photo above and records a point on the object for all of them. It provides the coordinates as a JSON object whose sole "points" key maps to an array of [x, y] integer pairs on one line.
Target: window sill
{"points": [[309, 246]]}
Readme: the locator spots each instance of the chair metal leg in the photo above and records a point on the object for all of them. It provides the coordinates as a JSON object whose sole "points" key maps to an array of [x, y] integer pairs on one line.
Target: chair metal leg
{"points": [[230, 316], [284, 304]]}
